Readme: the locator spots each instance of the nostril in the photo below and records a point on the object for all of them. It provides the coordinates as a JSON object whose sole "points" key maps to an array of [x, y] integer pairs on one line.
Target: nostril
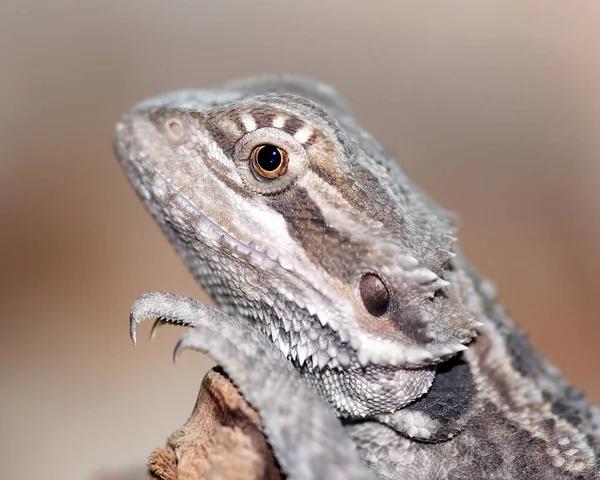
{"points": [[175, 128]]}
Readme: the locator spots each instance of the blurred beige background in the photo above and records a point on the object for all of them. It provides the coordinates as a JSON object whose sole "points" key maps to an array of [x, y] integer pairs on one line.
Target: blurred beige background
{"points": [[492, 106]]}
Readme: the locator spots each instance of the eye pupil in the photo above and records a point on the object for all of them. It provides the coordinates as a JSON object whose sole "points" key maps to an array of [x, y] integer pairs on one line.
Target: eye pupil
{"points": [[269, 158], [269, 161], [374, 294]]}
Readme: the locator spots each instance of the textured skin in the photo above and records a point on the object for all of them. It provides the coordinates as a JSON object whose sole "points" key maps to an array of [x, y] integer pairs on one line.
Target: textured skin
{"points": [[421, 366]]}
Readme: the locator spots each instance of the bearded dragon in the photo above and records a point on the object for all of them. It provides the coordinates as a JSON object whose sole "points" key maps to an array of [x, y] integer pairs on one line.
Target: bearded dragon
{"points": [[349, 318]]}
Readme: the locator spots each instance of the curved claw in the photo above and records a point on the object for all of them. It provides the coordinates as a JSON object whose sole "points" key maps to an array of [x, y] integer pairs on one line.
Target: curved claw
{"points": [[156, 327], [133, 323], [180, 347]]}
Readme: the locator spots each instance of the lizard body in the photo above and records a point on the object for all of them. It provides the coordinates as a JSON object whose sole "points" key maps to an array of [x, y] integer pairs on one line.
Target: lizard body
{"points": [[340, 280]]}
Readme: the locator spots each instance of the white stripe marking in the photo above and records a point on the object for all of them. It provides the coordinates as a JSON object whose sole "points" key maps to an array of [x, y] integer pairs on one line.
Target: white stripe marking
{"points": [[303, 134], [248, 122], [279, 121]]}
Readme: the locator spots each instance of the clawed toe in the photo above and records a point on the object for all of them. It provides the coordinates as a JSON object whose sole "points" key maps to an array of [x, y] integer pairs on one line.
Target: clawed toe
{"points": [[164, 308]]}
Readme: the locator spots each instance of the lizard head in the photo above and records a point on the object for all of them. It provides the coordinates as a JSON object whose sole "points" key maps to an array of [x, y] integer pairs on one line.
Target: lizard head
{"points": [[293, 216]]}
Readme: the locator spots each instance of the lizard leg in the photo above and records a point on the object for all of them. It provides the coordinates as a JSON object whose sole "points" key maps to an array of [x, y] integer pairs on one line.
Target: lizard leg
{"points": [[307, 438]]}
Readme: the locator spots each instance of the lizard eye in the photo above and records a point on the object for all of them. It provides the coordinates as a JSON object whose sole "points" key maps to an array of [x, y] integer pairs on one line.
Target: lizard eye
{"points": [[269, 161], [374, 294]]}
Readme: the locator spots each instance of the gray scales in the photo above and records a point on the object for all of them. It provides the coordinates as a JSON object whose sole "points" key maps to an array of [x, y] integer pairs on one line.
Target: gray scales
{"points": [[348, 316]]}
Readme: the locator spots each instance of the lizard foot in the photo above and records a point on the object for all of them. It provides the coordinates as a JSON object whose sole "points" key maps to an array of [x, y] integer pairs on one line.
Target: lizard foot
{"points": [[308, 440]]}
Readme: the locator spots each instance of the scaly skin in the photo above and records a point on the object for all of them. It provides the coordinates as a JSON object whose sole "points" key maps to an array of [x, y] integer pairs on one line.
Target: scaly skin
{"points": [[346, 279]]}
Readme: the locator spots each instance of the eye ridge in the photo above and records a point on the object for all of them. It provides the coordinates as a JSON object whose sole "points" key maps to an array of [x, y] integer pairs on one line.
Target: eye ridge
{"points": [[269, 161], [374, 294]]}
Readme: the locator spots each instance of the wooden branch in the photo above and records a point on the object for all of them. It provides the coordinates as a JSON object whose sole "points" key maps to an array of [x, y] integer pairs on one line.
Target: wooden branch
{"points": [[221, 439]]}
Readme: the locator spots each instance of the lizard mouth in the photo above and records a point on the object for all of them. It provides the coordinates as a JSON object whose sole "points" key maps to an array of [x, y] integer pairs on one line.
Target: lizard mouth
{"points": [[182, 203]]}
